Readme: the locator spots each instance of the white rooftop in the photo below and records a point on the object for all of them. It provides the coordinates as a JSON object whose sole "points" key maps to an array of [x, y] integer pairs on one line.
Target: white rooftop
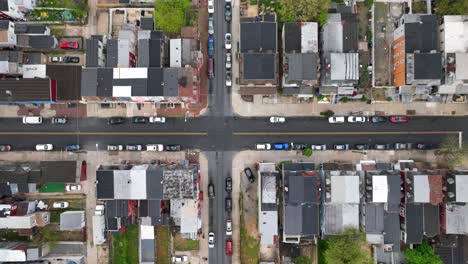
{"points": [[461, 72], [18, 222], [379, 189], [189, 222], [130, 184], [456, 34], [268, 227], [461, 188], [12, 255], [175, 53], [147, 232], [309, 37], [345, 189], [456, 219], [31, 71], [124, 91], [130, 73], [421, 189], [344, 66], [268, 189]]}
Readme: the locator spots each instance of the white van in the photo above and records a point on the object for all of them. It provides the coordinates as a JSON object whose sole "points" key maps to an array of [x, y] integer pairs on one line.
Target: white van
{"points": [[44, 147], [262, 146], [35, 120], [154, 147]]}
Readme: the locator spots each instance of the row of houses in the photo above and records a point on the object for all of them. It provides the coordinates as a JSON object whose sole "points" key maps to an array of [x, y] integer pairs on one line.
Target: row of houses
{"points": [[396, 205]]}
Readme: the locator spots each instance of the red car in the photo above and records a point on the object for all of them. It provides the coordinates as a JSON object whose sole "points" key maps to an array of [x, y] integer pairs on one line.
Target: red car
{"points": [[399, 119], [68, 45], [228, 248]]}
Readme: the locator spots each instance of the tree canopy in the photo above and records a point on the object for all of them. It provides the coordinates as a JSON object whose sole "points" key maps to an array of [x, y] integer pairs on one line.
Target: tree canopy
{"points": [[304, 10], [451, 153], [169, 15], [421, 254], [348, 248], [302, 260], [451, 7]]}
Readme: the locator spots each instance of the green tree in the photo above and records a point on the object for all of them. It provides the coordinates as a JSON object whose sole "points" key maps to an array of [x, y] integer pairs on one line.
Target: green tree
{"points": [[307, 152], [303, 10], [451, 153], [302, 260], [169, 15], [421, 254], [347, 248], [451, 7], [327, 113]]}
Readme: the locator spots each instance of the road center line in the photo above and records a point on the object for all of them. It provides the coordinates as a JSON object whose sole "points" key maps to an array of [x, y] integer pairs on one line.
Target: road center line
{"points": [[51, 133], [347, 133]]}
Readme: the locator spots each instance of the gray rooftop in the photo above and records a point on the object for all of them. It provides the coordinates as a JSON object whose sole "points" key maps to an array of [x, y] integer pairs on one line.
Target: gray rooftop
{"points": [[258, 36], [428, 66], [92, 47], [301, 66], [414, 223], [259, 66], [374, 218], [392, 230], [421, 33], [72, 220]]}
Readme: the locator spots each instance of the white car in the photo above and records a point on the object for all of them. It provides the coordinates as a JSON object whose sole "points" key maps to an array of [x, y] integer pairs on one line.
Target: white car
{"points": [[227, 41], [72, 187], [33, 120], [336, 119], [157, 119], [277, 119], [99, 209], [210, 6], [357, 119], [262, 146], [210, 26], [228, 79], [179, 259], [115, 147], [228, 61], [61, 205], [134, 147], [44, 147], [228, 227], [56, 59], [211, 240], [318, 147], [154, 147]]}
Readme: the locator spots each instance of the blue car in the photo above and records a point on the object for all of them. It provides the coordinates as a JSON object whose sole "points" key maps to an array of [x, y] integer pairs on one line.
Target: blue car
{"points": [[281, 146], [72, 147], [210, 45]]}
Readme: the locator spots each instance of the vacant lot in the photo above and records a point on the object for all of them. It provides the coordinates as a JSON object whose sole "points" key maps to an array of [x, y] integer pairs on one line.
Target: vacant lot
{"points": [[162, 244], [125, 246]]}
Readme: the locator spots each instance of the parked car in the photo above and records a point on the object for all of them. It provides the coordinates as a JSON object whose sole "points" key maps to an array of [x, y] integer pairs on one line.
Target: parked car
{"points": [[210, 6], [228, 60], [281, 146], [210, 45], [179, 259], [59, 120], [403, 146], [341, 146], [227, 12], [211, 190], [399, 119], [357, 119], [4, 148], [423, 146], [154, 147], [134, 147], [362, 146], [115, 147], [228, 184], [139, 120], [277, 119], [157, 119], [116, 120], [248, 172], [383, 146], [100, 208], [70, 59], [210, 26], [262, 146], [299, 146], [72, 187], [44, 147], [61, 204], [228, 204], [336, 119], [68, 45], [228, 79], [318, 147], [211, 239], [228, 248], [228, 227], [173, 147], [74, 147], [56, 59], [227, 41], [378, 119], [32, 120]]}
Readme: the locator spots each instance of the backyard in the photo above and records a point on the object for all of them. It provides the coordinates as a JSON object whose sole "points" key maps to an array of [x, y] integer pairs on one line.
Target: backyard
{"points": [[250, 244], [60, 10], [125, 246], [162, 244], [182, 244]]}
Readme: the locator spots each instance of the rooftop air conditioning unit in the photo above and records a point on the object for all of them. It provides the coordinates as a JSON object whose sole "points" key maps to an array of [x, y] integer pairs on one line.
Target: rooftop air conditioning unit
{"points": [[450, 180]]}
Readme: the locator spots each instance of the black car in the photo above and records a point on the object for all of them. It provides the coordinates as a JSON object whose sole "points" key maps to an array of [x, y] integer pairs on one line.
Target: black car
{"points": [[139, 120], [68, 59], [299, 146], [116, 120], [362, 146], [383, 146], [227, 12], [59, 120], [172, 147], [228, 184], [423, 146], [228, 204], [403, 146], [378, 119], [248, 172], [211, 190]]}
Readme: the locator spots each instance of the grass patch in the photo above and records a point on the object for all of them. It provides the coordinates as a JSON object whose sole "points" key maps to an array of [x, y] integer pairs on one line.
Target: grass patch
{"points": [[191, 18], [182, 244], [419, 7], [249, 246], [322, 247], [125, 246], [379, 94], [52, 187], [162, 244], [12, 236], [253, 2]]}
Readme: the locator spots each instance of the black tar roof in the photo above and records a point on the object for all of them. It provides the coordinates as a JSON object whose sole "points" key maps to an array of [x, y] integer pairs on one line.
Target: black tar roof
{"points": [[25, 90], [147, 23], [112, 50], [292, 35], [414, 223], [299, 166], [302, 189], [152, 209], [4, 24], [258, 36], [59, 171], [154, 188], [350, 32], [3, 5], [116, 208], [452, 249], [259, 66], [394, 193], [92, 47], [23, 28], [428, 66], [392, 230], [68, 81], [374, 218], [105, 184], [301, 219], [431, 220], [149, 53], [422, 36]]}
